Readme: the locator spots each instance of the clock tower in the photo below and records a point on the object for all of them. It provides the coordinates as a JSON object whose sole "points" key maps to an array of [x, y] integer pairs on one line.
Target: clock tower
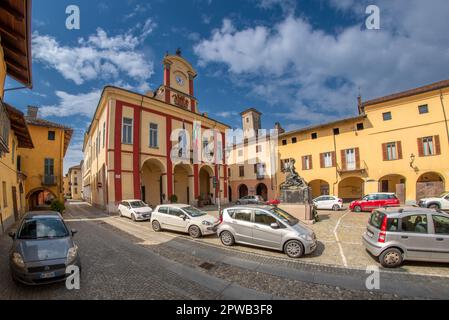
{"points": [[178, 87]]}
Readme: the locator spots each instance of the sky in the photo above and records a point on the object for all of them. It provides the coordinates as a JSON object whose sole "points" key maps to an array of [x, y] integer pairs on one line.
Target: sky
{"points": [[299, 62]]}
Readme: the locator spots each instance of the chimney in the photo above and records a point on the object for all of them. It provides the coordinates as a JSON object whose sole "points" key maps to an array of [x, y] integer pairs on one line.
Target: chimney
{"points": [[205, 114], [32, 112], [278, 127]]}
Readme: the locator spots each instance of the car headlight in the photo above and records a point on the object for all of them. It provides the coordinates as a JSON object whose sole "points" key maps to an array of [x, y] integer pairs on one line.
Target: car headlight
{"points": [[18, 260], [71, 254], [206, 223], [307, 237]]}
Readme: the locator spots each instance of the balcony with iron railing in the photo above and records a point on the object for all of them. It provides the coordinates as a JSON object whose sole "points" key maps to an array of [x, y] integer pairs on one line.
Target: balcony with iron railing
{"points": [[352, 167], [49, 180]]}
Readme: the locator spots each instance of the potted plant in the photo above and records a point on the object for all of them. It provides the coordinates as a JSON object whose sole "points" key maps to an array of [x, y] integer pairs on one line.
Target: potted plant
{"points": [[58, 206], [174, 198]]}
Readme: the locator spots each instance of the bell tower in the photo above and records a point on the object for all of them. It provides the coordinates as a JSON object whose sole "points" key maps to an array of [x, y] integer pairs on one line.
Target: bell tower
{"points": [[251, 120], [178, 87]]}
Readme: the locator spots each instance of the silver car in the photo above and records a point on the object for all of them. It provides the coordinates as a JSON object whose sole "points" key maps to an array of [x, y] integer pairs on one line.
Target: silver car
{"points": [[267, 227], [418, 234], [42, 249], [250, 200]]}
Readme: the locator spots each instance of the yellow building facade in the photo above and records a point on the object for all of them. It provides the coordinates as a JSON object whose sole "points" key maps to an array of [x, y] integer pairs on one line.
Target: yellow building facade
{"points": [[44, 168], [398, 143], [75, 182], [134, 150], [15, 62]]}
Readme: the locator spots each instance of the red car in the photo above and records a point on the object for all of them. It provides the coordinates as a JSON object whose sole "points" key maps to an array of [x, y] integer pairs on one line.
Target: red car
{"points": [[273, 202], [374, 201]]}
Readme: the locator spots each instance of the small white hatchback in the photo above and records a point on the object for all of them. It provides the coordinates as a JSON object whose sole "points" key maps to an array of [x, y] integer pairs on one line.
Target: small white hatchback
{"points": [[183, 218], [134, 209]]}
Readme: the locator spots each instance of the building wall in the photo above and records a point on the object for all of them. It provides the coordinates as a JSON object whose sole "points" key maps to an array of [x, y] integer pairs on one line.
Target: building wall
{"points": [[125, 165], [9, 179], [33, 162], [406, 126], [76, 181], [66, 185]]}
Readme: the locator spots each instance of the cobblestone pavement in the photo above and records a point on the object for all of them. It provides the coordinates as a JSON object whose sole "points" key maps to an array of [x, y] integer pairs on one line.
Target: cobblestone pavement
{"points": [[126, 260]]}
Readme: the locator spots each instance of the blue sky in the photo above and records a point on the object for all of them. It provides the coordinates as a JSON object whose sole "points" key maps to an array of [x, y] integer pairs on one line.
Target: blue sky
{"points": [[299, 62]]}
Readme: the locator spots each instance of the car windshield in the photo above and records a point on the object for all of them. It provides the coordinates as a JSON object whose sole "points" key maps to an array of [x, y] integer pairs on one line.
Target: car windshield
{"points": [[284, 216], [43, 228], [194, 212], [137, 204], [443, 194]]}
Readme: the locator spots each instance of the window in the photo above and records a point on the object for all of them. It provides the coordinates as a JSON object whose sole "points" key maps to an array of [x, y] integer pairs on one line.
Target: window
{"points": [[153, 135], [263, 218], [247, 119], [314, 135], [163, 210], [327, 157], [241, 171], [336, 131], [391, 151], [240, 153], [360, 126], [428, 148], [386, 116], [294, 140], [415, 223], [175, 212], [441, 224], [49, 167], [19, 163], [127, 131], [51, 135], [76, 190], [350, 155], [377, 218], [104, 134], [306, 162], [255, 168], [13, 151], [229, 172], [243, 215], [5, 196], [284, 142], [258, 148], [423, 109]]}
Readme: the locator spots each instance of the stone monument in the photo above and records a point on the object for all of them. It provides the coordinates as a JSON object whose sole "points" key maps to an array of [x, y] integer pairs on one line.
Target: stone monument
{"points": [[294, 189]]}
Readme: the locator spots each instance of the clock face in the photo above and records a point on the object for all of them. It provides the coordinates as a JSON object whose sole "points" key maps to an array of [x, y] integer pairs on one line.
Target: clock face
{"points": [[180, 80]]}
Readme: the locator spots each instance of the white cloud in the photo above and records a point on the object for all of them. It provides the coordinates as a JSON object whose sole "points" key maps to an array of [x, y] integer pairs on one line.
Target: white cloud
{"points": [[98, 56], [83, 104], [287, 6], [315, 75], [226, 114]]}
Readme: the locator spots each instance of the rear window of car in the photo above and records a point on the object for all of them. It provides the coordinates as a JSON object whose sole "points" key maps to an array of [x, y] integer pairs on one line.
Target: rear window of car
{"points": [[243, 215], [376, 219]]}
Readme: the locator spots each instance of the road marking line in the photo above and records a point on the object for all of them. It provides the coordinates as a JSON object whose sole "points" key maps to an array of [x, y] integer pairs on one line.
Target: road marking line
{"points": [[342, 254]]}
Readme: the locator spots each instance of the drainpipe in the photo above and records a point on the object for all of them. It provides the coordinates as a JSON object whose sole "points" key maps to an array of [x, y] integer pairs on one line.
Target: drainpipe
{"points": [[444, 114], [336, 167]]}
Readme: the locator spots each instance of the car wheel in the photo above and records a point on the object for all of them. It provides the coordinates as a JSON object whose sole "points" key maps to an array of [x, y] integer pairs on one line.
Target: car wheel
{"points": [[120, 213], [358, 209], [391, 258], [434, 206], [156, 226], [336, 207], [194, 232], [294, 249], [227, 238]]}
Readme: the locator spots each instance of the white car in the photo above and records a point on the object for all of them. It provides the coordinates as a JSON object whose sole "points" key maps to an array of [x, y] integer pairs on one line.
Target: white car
{"points": [[440, 202], [328, 203], [184, 218], [137, 210]]}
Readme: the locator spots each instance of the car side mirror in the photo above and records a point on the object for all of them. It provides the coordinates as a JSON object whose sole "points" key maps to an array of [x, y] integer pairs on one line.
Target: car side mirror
{"points": [[274, 226], [12, 234], [183, 217], [74, 231]]}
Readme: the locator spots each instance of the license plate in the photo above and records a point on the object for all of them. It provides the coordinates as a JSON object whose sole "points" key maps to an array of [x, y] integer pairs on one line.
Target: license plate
{"points": [[369, 233], [47, 275]]}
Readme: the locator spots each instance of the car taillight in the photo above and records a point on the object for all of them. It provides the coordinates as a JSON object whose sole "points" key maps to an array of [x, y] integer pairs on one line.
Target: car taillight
{"points": [[383, 231]]}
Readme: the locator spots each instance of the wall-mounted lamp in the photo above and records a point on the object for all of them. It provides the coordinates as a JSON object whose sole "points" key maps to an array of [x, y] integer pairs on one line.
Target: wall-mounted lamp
{"points": [[412, 161]]}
